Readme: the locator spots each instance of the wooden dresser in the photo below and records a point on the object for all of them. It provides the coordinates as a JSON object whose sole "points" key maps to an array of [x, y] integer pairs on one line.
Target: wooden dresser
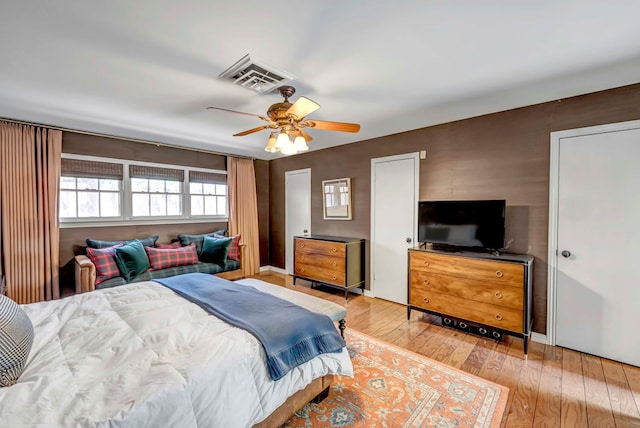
{"points": [[330, 260], [486, 291]]}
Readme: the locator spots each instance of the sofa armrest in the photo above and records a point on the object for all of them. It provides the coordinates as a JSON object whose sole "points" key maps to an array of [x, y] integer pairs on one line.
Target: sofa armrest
{"points": [[85, 274], [242, 247]]}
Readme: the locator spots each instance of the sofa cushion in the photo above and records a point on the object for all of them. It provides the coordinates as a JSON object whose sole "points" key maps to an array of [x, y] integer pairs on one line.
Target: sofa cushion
{"points": [[215, 250], [16, 338], [210, 268], [132, 260], [197, 239], [105, 262], [161, 258], [97, 243], [234, 247], [169, 246]]}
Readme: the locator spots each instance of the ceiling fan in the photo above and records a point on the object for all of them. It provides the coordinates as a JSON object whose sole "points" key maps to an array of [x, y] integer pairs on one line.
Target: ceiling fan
{"points": [[289, 118]]}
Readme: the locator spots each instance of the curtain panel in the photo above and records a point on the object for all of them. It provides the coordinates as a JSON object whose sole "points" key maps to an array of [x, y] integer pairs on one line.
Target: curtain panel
{"points": [[243, 210], [29, 229]]}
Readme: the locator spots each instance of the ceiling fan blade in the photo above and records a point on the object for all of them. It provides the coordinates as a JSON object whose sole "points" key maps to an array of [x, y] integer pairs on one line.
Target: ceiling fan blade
{"points": [[302, 107], [306, 136], [250, 131], [332, 126], [240, 112]]}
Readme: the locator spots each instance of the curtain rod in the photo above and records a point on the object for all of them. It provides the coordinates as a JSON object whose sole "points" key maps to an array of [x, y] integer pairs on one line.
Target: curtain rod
{"points": [[133, 140]]}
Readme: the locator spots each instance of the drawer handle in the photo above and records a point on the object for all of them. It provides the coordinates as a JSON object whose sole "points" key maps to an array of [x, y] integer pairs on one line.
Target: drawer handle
{"points": [[426, 263], [498, 295], [301, 245], [333, 277], [301, 269], [334, 249], [426, 282], [334, 263], [301, 257], [499, 317], [499, 273], [426, 300]]}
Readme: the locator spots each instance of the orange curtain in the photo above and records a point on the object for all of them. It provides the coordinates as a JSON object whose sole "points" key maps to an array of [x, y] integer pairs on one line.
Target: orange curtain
{"points": [[243, 210], [29, 234]]}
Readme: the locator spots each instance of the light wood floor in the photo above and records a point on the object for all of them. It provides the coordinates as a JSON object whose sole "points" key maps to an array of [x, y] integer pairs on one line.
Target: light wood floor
{"points": [[553, 387]]}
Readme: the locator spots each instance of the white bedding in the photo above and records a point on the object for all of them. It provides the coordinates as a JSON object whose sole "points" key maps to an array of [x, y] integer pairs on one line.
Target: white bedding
{"points": [[138, 355]]}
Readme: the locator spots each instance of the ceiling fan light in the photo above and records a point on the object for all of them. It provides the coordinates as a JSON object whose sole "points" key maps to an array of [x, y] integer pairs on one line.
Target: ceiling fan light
{"points": [[289, 149], [300, 144], [271, 144], [283, 140]]}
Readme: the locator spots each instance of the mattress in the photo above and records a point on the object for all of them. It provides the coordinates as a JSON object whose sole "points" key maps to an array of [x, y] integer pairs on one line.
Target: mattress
{"points": [[140, 355]]}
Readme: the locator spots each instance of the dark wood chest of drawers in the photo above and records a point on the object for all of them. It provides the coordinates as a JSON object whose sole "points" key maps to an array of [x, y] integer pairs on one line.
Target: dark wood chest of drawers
{"points": [[493, 291], [331, 260]]}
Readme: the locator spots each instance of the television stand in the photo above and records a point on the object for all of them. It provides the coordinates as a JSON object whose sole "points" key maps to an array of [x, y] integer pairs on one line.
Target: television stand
{"points": [[492, 293]]}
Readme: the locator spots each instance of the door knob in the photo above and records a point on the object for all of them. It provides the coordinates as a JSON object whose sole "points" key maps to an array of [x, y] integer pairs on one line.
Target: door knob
{"points": [[408, 240], [566, 254]]}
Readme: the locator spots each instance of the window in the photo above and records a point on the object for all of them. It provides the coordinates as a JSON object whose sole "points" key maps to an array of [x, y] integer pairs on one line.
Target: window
{"points": [[208, 193], [155, 191], [104, 191], [90, 190]]}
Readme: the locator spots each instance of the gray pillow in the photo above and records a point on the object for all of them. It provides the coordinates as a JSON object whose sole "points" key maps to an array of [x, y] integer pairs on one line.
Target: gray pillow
{"points": [[100, 244], [16, 338]]}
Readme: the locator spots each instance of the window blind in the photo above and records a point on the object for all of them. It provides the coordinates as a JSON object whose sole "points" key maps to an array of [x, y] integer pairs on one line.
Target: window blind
{"points": [[207, 177], [154, 172], [93, 169]]}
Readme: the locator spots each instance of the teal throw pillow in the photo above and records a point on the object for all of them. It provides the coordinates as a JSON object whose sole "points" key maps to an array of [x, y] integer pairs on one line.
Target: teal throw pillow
{"points": [[186, 240], [215, 250], [132, 260]]}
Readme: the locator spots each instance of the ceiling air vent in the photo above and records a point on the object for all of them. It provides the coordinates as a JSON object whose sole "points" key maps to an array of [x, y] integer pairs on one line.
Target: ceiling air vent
{"points": [[255, 75]]}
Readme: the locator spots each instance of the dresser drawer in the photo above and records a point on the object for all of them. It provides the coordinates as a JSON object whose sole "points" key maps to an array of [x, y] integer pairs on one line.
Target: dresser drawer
{"points": [[484, 313], [311, 246], [480, 291], [326, 262], [479, 269], [318, 273]]}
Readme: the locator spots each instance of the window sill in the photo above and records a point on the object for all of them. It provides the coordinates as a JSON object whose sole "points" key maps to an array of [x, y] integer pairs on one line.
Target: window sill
{"points": [[137, 222]]}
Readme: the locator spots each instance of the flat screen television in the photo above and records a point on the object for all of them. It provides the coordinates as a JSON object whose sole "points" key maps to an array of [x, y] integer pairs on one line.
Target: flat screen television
{"points": [[473, 224]]}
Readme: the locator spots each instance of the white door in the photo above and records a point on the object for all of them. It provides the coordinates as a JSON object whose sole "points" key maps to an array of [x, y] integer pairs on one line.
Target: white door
{"points": [[297, 218], [598, 244], [394, 205]]}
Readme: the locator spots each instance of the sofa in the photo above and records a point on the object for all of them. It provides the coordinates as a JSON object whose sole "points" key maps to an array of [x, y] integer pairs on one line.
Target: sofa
{"points": [[109, 263]]}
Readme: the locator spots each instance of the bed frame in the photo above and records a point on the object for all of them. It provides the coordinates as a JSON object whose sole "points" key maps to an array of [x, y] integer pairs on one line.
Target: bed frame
{"points": [[316, 391]]}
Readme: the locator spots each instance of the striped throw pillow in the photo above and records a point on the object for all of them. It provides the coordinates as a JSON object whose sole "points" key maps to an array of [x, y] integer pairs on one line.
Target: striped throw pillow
{"points": [[105, 262], [160, 258], [16, 338]]}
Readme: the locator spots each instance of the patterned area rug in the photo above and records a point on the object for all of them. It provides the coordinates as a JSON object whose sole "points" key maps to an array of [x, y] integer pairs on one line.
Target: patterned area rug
{"points": [[393, 387]]}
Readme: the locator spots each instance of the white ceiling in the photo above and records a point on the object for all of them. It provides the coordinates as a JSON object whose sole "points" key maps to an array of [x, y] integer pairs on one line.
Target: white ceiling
{"points": [[147, 69]]}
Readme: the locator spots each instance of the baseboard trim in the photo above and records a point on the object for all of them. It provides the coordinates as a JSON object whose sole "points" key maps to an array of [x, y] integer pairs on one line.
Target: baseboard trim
{"points": [[540, 338], [273, 269]]}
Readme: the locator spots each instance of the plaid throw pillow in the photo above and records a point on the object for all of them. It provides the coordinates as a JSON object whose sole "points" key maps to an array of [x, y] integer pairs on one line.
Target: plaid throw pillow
{"points": [[165, 258], [234, 247], [16, 338], [105, 262]]}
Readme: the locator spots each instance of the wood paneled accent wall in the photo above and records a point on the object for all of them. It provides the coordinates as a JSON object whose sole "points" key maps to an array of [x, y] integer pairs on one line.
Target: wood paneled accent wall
{"points": [[262, 193], [498, 156]]}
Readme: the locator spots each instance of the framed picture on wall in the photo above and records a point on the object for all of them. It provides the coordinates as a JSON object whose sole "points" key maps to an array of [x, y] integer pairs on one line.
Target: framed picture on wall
{"points": [[336, 199]]}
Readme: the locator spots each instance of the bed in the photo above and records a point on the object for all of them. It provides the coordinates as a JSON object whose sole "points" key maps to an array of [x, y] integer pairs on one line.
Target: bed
{"points": [[140, 355]]}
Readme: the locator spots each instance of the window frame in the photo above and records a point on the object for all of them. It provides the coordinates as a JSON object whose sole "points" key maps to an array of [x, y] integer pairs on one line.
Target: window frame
{"points": [[127, 218]]}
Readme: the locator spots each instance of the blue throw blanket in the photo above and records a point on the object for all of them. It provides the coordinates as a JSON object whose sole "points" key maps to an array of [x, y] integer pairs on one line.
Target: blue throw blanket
{"points": [[290, 335]]}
